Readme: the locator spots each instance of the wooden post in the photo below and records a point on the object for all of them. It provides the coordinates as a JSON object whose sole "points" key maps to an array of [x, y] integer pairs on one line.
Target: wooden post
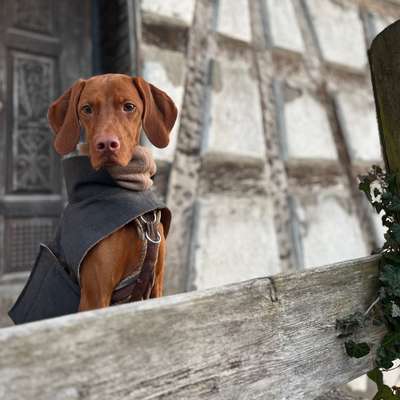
{"points": [[384, 59]]}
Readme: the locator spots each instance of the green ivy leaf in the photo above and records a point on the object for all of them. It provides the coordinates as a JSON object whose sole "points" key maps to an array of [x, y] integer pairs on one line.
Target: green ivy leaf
{"points": [[384, 392], [389, 350], [384, 359], [395, 232], [390, 277], [376, 376], [386, 198], [356, 350], [393, 259], [394, 205]]}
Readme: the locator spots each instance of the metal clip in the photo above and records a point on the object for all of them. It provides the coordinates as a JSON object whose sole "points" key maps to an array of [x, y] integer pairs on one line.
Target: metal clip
{"points": [[149, 222], [151, 228], [157, 241]]}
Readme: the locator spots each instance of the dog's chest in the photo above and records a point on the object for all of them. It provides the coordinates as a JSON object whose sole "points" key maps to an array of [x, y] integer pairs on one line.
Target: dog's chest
{"points": [[97, 207]]}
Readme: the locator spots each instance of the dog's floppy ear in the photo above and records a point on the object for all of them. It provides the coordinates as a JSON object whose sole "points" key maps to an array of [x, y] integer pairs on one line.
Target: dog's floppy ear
{"points": [[63, 119], [159, 113]]}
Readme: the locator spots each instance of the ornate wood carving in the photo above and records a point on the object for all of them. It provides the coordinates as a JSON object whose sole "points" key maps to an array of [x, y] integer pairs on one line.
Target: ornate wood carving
{"points": [[44, 45], [33, 15], [33, 82]]}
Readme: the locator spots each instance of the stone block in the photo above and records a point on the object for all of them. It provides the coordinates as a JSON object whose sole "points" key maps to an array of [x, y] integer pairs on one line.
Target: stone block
{"points": [[234, 19], [307, 129], [283, 25], [339, 33], [329, 230], [176, 10], [234, 126], [356, 110], [166, 70], [234, 240]]}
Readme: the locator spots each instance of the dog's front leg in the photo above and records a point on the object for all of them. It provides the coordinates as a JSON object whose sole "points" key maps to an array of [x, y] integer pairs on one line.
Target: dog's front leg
{"points": [[104, 267], [96, 285]]}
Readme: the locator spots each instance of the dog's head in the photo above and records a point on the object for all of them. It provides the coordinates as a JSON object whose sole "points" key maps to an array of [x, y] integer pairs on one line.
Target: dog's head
{"points": [[111, 108]]}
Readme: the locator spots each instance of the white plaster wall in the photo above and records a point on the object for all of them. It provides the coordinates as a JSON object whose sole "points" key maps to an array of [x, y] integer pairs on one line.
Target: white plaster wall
{"points": [[284, 27], [308, 131], [234, 241], [234, 19], [179, 10], [360, 125], [329, 228], [166, 70], [235, 123], [339, 32]]}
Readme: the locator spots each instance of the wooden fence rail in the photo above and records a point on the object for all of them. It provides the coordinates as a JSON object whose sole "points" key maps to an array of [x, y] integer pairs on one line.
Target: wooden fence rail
{"points": [[267, 338]]}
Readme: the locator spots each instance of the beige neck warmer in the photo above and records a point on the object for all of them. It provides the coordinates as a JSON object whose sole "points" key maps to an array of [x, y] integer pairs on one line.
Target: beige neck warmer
{"points": [[137, 174]]}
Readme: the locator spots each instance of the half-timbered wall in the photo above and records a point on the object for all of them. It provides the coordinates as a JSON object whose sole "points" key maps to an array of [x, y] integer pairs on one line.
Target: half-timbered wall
{"points": [[276, 120]]}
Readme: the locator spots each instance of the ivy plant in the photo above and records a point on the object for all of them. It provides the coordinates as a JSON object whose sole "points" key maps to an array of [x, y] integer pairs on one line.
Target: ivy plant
{"points": [[381, 190]]}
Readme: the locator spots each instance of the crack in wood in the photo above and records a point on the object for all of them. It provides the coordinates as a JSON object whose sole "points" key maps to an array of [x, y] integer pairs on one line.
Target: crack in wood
{"points": [[273, 294]]}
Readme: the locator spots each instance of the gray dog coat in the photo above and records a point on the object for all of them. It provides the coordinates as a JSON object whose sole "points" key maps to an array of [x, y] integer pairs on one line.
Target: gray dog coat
{"points": [[96, 207]]}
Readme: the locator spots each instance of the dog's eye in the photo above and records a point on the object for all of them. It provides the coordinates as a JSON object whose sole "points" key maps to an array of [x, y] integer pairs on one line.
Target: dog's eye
{"points": [[87, 109], [129, 107]]}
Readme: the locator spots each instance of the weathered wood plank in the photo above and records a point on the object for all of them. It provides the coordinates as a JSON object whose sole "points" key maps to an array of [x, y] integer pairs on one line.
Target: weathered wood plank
{"points": [[384, 56], [269, 338]]}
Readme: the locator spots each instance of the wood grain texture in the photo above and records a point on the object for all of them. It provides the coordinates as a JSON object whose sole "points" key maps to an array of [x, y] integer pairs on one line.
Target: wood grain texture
{"points": [[384, 56], [267, 338]]}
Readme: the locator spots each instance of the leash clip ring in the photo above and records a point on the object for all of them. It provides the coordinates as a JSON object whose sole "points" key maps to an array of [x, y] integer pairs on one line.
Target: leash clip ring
{"points": [[157, 241]]}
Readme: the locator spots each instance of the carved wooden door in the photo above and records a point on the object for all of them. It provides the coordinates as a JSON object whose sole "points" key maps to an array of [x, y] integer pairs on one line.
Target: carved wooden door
{"points": [[44, 46]]}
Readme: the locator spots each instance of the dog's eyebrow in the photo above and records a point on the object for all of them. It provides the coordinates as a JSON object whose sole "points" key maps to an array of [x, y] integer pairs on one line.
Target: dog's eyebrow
{"points": [[90, 100], [123, 99]]}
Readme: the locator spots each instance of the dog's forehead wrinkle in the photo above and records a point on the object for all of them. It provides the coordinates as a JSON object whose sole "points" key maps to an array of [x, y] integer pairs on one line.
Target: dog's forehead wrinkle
{"points": [[110, 90], [108, 78]]}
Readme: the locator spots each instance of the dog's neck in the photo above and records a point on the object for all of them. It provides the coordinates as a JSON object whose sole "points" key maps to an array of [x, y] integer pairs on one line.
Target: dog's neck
{"points": [[137, 174]]}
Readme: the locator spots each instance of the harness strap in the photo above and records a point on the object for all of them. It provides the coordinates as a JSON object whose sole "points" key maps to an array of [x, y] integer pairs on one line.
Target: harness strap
{"points": [[135, 269], [138, 286]]}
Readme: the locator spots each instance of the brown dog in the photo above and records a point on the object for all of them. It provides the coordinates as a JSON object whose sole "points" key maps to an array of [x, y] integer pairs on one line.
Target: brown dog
{"points": [[112, 108]]}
